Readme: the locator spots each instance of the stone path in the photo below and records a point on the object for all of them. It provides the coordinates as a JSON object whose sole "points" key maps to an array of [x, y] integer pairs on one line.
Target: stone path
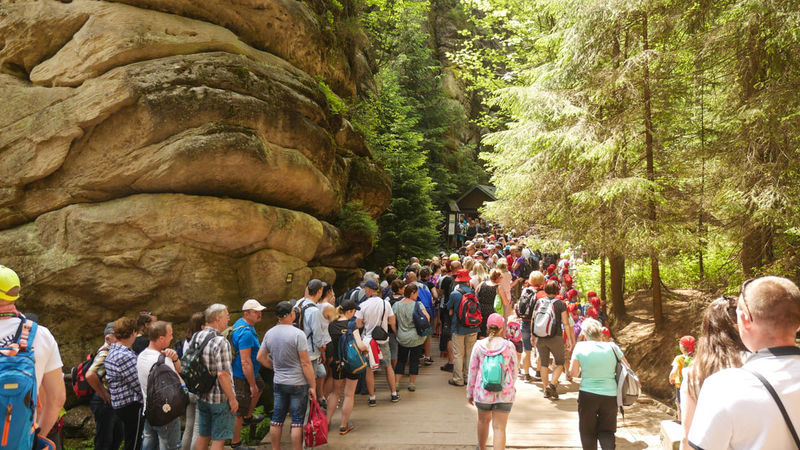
{"points": [[437, 415]]}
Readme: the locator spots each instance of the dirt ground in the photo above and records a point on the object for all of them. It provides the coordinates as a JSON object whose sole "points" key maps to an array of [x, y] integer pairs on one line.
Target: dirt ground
{"points": [[651, 354]]}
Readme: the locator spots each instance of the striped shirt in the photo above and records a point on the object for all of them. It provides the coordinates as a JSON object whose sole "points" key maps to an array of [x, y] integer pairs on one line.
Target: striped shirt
{"points": [[217, 358], [122, 377], [99, 366]]}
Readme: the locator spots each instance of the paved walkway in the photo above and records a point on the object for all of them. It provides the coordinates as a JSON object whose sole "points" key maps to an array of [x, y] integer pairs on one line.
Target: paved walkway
{"points": [[437, 415]]}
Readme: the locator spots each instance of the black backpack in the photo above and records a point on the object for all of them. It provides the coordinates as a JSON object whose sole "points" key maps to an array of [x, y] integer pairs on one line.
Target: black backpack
{"points": [[196, 375], [526, 302], [526, 268], [299, 315], [83, 390], [166, 398]]}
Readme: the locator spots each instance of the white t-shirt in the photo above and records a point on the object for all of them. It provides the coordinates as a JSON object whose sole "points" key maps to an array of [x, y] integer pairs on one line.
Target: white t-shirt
{"points": [[46, 357], [735, 410], [370, 313], [144, 363]]}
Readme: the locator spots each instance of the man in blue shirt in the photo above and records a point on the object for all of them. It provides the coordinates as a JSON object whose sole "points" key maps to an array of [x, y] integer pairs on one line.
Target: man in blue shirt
{"points": [[463, 337], [247, 383]]}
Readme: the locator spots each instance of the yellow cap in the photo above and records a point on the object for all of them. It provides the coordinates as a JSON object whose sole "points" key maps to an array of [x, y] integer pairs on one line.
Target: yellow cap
{"points": [[9, 284]]}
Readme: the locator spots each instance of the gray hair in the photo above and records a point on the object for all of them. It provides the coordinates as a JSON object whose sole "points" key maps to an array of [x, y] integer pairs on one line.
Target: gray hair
{"points": [[370, 276], [213, 312], [592, 329]]}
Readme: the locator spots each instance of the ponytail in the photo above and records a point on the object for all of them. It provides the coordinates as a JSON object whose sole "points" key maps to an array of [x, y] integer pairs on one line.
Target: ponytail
{"points": [[493, 331], [338, 313]]}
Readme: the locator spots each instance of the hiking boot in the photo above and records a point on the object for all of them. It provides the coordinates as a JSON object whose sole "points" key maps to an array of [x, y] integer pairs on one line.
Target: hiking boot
{"points": [[452, 382], [547, 392], [447, 367], [372, 402], [411, 387], [395, 398]]}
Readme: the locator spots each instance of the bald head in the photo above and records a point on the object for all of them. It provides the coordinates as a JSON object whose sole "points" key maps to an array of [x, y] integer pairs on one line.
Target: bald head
{"points": [[768, 313]]}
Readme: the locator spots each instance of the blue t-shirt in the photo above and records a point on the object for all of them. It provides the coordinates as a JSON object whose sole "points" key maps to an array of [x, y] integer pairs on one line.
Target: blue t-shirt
{"points": [[598, 366], [244, 336], [452, 304]]}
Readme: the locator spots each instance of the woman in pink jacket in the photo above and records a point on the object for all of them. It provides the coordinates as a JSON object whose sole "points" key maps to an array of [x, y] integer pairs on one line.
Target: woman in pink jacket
{"points": [[493, 369]]}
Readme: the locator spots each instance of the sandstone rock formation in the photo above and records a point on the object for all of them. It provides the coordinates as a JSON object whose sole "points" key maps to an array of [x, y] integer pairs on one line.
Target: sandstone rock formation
{"points": [[166, 154]]}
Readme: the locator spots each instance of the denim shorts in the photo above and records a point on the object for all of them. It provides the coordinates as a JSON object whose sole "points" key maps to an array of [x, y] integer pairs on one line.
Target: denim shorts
{"points": [[501, 407], [215, 420], [526, 335], [319, 368], [289, 399]]}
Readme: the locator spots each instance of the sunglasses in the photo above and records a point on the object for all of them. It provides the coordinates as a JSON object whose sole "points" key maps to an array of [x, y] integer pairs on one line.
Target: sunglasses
{"points": [[744, 301]]}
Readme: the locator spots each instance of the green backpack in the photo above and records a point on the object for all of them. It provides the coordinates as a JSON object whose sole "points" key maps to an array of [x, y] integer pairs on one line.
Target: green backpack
{"points": [[493, 373]]}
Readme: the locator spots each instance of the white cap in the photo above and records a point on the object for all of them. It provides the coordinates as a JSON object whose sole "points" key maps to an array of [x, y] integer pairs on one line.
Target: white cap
{"points": [[253, 304]]}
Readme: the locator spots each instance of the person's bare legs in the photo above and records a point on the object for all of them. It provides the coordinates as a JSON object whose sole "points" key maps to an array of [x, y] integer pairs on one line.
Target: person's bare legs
{"points": [[370, 382], [297, 438], [333, 398], [349, 398], [484, 418], [526, 362], [274, 437], [499, 422], [389, 379], [217, 445], [557, 374], [545, 371], [428, 347], [202, 443]]}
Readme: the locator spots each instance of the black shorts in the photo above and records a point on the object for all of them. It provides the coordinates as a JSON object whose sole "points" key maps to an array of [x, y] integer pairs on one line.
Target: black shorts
{"points": [[242, 390], [339, 373]]}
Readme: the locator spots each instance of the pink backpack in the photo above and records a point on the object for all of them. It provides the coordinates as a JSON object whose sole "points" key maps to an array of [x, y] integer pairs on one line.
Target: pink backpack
{"points": [[513, 331]]}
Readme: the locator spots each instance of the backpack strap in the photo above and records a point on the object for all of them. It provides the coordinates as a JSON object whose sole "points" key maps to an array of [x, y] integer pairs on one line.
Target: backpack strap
{"points": [[778, 401], [23, 337]]}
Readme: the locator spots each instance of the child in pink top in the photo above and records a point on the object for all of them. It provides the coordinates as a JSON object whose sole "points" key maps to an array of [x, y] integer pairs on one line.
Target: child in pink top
{"points": [[492, 406]]}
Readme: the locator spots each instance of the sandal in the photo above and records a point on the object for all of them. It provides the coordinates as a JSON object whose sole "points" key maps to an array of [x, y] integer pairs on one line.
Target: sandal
{"points": [[346, 429]]}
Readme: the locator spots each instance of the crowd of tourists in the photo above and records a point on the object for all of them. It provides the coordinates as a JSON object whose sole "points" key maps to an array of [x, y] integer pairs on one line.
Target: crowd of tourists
{"points": [[504, 314]]}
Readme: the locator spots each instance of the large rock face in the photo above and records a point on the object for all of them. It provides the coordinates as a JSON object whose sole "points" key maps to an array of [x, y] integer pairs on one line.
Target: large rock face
{"points": [[167, 154]]}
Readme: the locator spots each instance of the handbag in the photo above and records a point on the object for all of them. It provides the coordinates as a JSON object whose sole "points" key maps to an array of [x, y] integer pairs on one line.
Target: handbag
{"points": [[316, 430], [378, 333]]}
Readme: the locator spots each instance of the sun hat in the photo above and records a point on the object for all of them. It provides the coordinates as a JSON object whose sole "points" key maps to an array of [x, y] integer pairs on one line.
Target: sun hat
{"points": [[253, 304], [495, 320], [9, 284], [462, 276]]}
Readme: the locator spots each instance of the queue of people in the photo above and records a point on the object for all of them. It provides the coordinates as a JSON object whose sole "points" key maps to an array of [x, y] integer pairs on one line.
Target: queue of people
{"points": [[501, 311]]}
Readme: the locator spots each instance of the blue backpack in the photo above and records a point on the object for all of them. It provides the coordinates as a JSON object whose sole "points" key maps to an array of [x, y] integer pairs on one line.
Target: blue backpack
{"points": [[349, 354], [425, 297], [493, 373], [18, 388], [421, 323]]}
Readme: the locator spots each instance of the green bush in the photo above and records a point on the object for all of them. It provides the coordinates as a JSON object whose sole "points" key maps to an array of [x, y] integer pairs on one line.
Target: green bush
{"points": [[355, 219]]}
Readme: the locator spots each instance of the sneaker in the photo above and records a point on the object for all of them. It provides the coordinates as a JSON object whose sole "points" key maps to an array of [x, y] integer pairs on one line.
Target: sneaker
{"points": [[411, 387], [428, 361], [372, 402], [553, 391], [452, 382], [537, 377], [447, 367], [395, 398]]}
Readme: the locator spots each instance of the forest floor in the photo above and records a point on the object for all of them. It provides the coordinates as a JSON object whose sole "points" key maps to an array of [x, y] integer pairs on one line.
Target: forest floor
{"points": [[649, 353]]}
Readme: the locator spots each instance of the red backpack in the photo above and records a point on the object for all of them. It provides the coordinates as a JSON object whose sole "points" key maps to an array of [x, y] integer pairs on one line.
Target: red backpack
{"points": [[81, 387], [469, 311]]}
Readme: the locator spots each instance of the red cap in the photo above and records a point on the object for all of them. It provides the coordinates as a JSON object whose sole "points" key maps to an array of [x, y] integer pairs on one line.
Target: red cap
{"points": [[591, 294], [572, 293], [572, 307], [566, 263], [559, 297], [606, 332], [568, 280], [688, 343], [591, 312], [595, 301], [551, 268]]}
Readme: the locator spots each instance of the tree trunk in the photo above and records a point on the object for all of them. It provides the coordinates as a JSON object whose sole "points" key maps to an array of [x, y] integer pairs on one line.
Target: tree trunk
{"points": [[603, 276], [616, 261], [648, 137]]}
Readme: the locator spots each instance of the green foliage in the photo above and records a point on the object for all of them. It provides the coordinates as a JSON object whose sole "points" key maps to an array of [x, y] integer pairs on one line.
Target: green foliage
{"points": [[261, 431], [408, 124], [353, 218], [569, 83], [336, 106]]}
